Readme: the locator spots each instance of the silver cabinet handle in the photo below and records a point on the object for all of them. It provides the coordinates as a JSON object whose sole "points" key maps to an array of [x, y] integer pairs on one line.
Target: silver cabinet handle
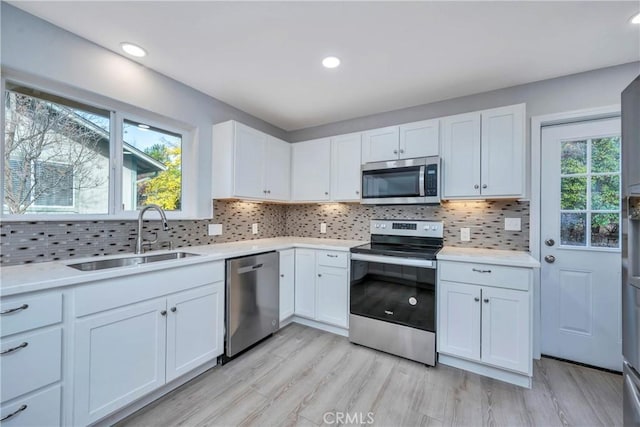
{"points": [[13, 310], [476, 299], [326, 193], [480, 271], [332, 256], [268, 191], [484, 185], [282, 275], [395, 151], [319, 275], [401, 151], [357, 192], [174, 309], [163, 313], [14, 413], [264, 191], [476, 186], [486, 300], [16, 348]]}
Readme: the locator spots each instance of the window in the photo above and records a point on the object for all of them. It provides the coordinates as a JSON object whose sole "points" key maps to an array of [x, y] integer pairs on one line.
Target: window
{"points": [[60, 158], [151, 167], [590, 193]]}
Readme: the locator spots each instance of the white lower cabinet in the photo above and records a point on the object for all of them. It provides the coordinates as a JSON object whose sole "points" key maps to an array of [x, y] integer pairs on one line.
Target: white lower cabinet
{"points": [[36, 410], [322, 286], [287, 283], [486, 320], [124, 353]]}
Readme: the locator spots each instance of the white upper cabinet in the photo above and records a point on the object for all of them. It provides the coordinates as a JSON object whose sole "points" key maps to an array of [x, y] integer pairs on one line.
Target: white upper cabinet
{"points": [[345, 167], [408, 141], [503, 160], [311, 177], [278, 169], [461, 155], [380, 144], [419, 139], [483, 154], [249, 164]]}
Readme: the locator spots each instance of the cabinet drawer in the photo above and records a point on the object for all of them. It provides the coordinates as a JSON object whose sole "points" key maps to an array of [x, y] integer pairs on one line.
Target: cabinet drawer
{"points": [[485, 274], [35, 362], [333, 259], [23, 313], [40, 409]]}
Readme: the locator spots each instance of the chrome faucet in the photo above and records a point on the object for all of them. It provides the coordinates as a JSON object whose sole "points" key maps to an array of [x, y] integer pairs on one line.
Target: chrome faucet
{"points": [[165, 226]]}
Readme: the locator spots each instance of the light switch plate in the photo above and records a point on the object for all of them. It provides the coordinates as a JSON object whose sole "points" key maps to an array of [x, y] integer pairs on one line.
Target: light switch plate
{"points": [[323, 228], [512, 224], [254, 228], [215, 229], [465, 234]]}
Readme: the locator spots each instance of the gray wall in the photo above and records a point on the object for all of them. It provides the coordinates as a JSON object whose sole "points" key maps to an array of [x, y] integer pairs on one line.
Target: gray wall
{"points": [[578, 91], [61, 61]]}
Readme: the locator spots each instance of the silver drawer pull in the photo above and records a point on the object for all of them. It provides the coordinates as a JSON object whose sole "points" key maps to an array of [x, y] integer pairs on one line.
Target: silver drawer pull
{"points": [[16, 348], [481, 271], [332, 256], [13, 310], [14, 413]]}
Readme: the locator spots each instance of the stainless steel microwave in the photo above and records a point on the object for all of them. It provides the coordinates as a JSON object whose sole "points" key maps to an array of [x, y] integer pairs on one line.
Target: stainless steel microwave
{"points": [[401, 182]]}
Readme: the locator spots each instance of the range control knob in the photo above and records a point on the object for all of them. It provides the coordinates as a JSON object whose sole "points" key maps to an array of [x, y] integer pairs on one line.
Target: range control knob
{"points": [[377, 225], [434, 227], [384, 225]]}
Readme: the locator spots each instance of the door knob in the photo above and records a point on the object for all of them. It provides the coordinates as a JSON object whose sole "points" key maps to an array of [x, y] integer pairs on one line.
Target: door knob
{"points": [[550, 259], [549, 242]]}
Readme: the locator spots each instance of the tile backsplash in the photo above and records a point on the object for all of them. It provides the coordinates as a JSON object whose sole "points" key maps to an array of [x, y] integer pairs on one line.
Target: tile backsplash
{"points": [[36, 241]]}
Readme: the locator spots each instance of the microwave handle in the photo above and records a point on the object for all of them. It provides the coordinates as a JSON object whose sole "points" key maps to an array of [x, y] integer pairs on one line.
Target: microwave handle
{"points": [[422, 175]]}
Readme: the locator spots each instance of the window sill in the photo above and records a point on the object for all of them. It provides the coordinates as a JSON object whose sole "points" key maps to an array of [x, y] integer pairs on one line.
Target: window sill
{"points": [[129, 216]]}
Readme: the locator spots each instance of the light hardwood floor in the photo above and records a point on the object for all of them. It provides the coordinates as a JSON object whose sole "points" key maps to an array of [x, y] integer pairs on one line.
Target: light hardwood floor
{"points": [[301, 374]]}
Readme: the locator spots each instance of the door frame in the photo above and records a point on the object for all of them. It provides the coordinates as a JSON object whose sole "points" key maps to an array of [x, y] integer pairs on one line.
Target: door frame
{"points": [[537, 123]]}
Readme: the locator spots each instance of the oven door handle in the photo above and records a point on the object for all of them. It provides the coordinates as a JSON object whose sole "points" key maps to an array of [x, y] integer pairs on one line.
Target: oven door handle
{"points": [[409, 262]]}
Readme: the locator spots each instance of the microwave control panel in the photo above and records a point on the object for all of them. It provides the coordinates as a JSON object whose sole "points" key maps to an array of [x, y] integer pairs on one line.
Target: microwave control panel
{"points": [[431, 180]]}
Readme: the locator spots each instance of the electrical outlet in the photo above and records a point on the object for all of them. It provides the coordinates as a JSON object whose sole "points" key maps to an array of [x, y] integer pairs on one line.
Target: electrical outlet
{"points": [[512, 224], [465, 234], [323, 227], [254, 228], [215, 229]]}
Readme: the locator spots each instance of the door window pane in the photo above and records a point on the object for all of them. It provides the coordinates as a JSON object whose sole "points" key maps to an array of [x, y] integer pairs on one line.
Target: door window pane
{"points": [[572, 229], [605, 230], [56, 155], [605, 155], [152, 167], [605, 192], [573, 157], [573, 193]]}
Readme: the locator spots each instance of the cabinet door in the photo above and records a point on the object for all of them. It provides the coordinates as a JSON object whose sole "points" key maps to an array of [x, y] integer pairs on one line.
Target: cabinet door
{"points": [[503, 166], [249, 162], [459, 327], [345, 167], [195, 328], [380, 144], [461, 155], [332, 296], [311, 162], [505, 329], [420, 139], [305, 283], [287, 283], [278, 169], [119, 357]]}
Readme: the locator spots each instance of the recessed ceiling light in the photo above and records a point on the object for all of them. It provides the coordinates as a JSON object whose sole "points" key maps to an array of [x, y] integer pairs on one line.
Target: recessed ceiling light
{"points": [[331, 62], [636, 18], [133, 50]]}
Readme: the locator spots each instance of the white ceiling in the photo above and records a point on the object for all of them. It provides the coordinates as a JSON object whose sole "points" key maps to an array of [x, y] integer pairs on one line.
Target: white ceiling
{"points": [[264, 57]]}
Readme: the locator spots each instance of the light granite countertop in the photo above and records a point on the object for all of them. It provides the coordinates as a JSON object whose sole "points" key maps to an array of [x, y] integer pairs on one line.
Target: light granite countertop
{"points": [[488, 256], [19, 279]]}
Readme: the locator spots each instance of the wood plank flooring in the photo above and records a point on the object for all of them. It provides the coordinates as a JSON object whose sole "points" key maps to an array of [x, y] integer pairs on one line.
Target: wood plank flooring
{"points": [[301, 374]]}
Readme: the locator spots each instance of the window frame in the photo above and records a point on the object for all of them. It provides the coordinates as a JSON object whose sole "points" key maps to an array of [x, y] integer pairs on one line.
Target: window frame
{"points": [[119, 112]]}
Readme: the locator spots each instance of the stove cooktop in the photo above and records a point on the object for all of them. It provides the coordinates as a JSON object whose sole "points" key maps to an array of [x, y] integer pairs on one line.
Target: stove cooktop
{"points": [[405, 251]]}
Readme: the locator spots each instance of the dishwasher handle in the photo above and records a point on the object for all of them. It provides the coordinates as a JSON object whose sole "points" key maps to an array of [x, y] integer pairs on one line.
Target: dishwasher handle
{"points": [[250, 268]]}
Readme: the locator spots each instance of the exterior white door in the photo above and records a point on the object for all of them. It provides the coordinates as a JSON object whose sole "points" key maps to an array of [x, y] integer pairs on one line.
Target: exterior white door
{"points": [[580, 233]]}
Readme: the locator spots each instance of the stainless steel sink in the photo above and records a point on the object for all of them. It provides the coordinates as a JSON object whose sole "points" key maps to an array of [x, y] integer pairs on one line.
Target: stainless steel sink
{"points": [[128, 261]]}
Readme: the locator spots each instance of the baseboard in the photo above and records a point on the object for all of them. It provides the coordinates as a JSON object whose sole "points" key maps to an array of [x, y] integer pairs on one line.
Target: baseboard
{"points": [[521, 380], [319, 325]]}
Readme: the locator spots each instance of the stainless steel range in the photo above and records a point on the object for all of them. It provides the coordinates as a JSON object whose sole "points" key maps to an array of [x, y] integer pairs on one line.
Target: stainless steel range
{"points": [[393, 289]]}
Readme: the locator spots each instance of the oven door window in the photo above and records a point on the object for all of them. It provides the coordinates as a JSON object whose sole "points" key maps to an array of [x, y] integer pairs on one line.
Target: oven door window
{"points": [[398, 182], [394, 293]]}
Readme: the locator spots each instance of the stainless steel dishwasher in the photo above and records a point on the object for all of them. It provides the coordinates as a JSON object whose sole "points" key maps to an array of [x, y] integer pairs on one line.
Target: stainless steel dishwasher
{"points": [[253, 300]]}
